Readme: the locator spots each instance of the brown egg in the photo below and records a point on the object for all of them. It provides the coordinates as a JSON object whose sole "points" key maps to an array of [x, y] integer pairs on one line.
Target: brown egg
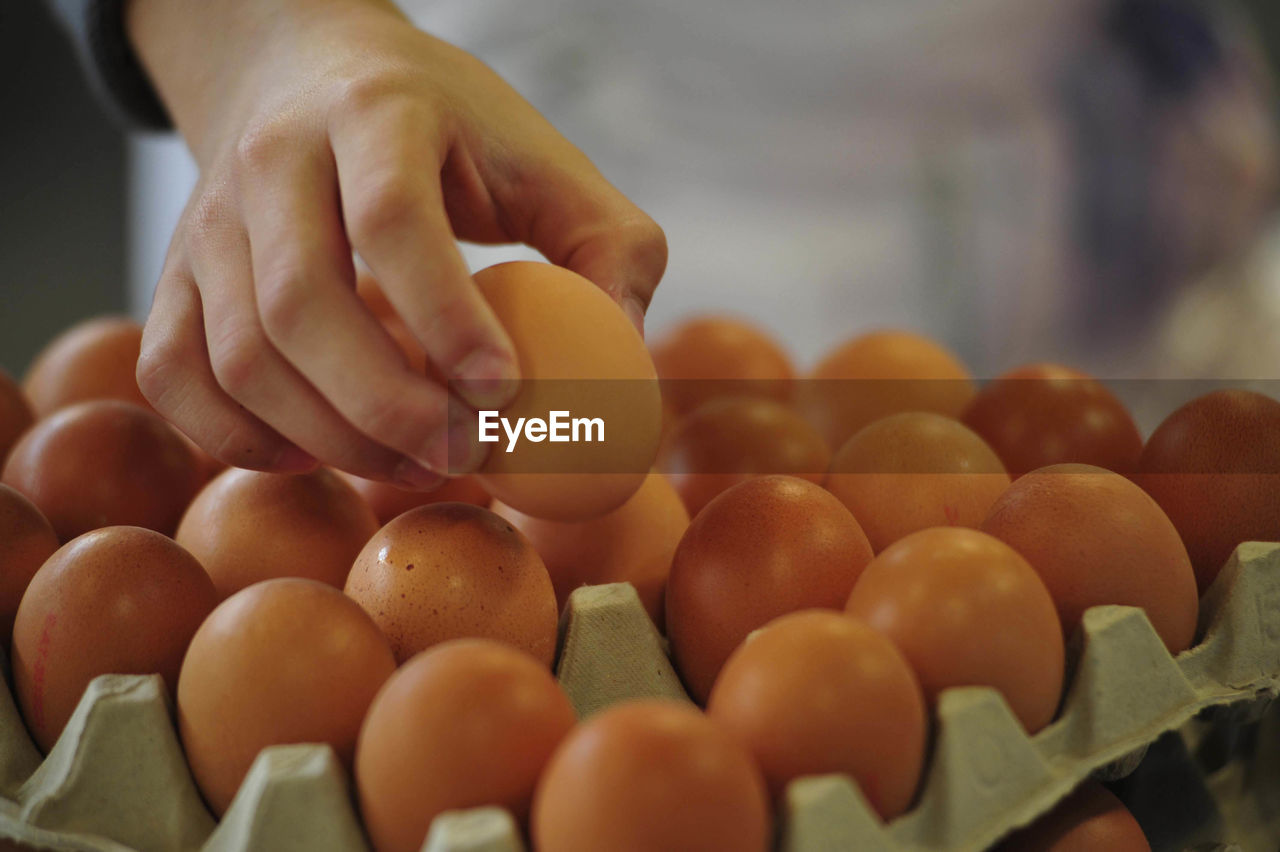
{"points": [[634, 544], [966, 610], [1214, 467], [1096, 538], [817, 692], [246, 526], [389, 501], [648, 775], [710, 356], [1044, 414], [104, 463], [27, 539], [15, 414], [467, 723], [910, 471], [119, 600], [731, 439], [94, 359], [578, 354], [766, 547], [451, 571], [878, 374], [1091, 819], [283, 661]]}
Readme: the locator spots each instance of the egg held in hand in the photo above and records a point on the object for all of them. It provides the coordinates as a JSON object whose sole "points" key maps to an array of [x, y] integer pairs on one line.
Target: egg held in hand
{"points": [[578, 355]]}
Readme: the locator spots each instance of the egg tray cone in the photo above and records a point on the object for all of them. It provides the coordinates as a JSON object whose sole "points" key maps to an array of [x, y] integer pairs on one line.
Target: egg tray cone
{"points": [[116, 780]]}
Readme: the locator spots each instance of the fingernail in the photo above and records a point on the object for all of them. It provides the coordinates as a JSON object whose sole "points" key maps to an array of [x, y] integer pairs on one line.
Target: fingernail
{"points": [[415, 477], [486, 378], [634, 310], [291, 459]]}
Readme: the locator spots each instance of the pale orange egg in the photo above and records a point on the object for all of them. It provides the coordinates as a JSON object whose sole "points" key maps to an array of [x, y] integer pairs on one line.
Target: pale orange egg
{"points": [[966, 610], [711, 356], [1096, 538], [246, 526], [878, 374], [578, 354], [466, 723], [817, 692], [731, 439], [284, 661], [910, 471], [649, 775], [94, 359]]}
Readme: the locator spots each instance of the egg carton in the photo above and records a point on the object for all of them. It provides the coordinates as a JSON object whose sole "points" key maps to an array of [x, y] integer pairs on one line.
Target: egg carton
{"points": [[116, 780], [1217, 776]]}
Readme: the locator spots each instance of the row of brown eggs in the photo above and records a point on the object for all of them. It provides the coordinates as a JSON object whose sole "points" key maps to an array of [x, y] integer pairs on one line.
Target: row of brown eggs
{"points": [[760, 550], [468, 721]]}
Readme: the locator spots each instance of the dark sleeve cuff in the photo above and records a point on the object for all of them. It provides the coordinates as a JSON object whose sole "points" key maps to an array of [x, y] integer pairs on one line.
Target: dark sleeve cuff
{"points": [[96, 28]]}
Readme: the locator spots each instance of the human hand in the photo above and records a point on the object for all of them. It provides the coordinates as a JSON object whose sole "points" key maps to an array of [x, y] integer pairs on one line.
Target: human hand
{"points": [[327, 128]]}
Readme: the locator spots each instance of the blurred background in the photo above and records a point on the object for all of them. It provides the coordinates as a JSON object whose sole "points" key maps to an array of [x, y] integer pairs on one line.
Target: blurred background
{"points": [[62, 189], [1089, 181]]}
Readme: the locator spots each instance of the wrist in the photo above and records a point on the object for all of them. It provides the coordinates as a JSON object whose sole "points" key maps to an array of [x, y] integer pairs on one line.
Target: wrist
{"points": [[208, 60]]}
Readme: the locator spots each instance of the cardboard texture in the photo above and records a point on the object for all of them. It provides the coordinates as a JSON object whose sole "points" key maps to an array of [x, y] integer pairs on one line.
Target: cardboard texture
{"points": [[610, 651], [295, 799], [116, 781]]}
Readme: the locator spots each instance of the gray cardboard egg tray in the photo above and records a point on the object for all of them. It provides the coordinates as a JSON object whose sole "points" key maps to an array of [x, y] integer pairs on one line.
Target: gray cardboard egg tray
{"points": [[116, 780]]}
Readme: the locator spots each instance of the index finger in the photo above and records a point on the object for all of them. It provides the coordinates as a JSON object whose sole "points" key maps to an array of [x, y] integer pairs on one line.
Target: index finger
{"points": [[389, 175]]}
